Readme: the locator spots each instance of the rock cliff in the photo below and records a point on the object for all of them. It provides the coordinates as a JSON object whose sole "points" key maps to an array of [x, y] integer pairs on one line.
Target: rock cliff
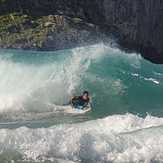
{"points": [[136, 24]]}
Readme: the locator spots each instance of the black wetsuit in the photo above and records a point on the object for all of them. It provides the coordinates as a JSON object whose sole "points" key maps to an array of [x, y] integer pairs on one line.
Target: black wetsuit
{"points": [[79, 102]]}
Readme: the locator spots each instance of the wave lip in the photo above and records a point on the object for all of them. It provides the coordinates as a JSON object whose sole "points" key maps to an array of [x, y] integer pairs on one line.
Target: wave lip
{"points": [[118, 138]]}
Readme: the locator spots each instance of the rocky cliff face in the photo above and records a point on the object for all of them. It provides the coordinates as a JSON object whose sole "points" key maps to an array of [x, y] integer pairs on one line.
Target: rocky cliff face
{"points": [[137, 24]]}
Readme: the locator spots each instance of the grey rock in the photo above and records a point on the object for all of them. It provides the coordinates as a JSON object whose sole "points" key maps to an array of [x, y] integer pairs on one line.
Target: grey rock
{"points": [[137, 24]]}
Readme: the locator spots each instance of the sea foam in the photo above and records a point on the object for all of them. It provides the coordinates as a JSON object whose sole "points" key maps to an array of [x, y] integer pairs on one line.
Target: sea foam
{"points": [[118, 138]]}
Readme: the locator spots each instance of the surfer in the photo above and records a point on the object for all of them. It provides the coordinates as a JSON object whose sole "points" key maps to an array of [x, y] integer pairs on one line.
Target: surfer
{"points": [[81, 102]]}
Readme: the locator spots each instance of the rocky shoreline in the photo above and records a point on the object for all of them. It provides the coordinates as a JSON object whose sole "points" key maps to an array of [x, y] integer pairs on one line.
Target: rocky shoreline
{"points": [[52, 32], [58, 24]]}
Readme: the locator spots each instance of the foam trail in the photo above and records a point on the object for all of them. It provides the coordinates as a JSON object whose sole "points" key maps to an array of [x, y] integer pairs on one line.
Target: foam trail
{"points": [[153, 80], [118, 138]]}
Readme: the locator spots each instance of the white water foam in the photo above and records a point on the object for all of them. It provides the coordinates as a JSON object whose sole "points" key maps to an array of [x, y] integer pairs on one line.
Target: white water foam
{"points": [[152, 80], [155, 81], [118, 138]]}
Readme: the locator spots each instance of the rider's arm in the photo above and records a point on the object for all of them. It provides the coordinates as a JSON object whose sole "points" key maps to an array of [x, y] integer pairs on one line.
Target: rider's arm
{"points": [[73, 98]]}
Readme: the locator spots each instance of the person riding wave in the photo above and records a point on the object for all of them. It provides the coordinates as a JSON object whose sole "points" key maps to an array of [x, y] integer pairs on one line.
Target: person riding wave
{"points": [[81, 102]]}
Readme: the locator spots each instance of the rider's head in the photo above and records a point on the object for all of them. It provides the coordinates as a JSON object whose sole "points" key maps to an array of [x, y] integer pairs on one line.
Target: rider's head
{"points": [[85, 95]]}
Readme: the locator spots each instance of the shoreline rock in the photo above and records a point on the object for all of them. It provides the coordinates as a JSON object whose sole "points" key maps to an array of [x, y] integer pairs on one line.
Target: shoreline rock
{"points": [[137, 25], [52, 32]]}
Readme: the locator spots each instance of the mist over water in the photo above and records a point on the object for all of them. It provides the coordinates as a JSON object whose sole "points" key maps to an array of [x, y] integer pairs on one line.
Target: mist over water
{"points": [[125, 124]]}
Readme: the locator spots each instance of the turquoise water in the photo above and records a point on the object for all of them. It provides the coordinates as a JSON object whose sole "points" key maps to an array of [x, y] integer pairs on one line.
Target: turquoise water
{"points": [[126, 118]]}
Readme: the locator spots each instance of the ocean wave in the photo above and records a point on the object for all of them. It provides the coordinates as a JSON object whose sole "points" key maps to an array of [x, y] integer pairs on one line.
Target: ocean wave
{"points": [[28, 86], [32, 83], [118, 138]]}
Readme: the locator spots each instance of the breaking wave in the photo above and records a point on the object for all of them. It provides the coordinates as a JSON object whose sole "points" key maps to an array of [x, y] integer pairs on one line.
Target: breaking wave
{"points": [[118, 138], [33, 84]]}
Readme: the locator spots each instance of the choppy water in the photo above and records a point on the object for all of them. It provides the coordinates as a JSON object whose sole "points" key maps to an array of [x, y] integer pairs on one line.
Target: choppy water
{"points": [[125, 124]]}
